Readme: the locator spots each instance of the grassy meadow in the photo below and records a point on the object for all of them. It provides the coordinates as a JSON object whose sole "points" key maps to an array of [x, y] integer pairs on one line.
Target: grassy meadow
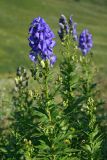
{"points": [[16, 15]]}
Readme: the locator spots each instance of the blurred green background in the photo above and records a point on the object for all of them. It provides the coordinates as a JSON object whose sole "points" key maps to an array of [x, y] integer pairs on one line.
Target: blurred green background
{"points": [[16, 15]]}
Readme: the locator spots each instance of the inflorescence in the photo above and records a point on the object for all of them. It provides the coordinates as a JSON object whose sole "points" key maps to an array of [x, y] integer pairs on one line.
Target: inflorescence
{"points": [[41, 41], [67, 28], [84, 40]]}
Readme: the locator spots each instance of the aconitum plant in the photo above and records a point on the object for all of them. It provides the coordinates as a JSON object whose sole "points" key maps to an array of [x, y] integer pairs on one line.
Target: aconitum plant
{"points": [[41, 41], [77, 94], [56, 118]]}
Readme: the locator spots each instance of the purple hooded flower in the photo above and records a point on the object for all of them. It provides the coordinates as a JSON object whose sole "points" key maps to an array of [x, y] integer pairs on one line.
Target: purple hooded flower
{"points": [[85, 41], [40, 40]]}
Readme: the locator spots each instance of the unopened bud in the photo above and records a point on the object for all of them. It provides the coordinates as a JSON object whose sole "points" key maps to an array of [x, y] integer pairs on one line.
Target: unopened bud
{"points": [[30, 142], [43, 64], [16, 81]]}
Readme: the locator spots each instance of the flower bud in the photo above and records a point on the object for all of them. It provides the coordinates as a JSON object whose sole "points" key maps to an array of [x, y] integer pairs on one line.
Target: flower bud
{"points": [[42, 64]]}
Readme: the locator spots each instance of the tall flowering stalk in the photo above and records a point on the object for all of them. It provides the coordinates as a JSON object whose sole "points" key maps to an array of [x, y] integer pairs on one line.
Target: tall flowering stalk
{"points": [[69, 69], [51, 136], [41, 43], [74, 95]]}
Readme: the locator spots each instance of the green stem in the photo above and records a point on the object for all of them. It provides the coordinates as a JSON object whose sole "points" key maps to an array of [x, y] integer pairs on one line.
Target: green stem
{"points": [[46, 74], [46, 81]]}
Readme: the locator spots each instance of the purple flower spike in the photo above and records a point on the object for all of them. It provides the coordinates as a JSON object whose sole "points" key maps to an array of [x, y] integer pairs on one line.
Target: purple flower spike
{"points": [[85, 41], [64, 27], [70, 20], [40, 40], [74, 31], [67, 28]]}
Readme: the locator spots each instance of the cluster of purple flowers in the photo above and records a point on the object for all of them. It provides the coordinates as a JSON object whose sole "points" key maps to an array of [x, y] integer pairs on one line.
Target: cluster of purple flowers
{"points": [[41, 41], [85, 41], [67, 28]]}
